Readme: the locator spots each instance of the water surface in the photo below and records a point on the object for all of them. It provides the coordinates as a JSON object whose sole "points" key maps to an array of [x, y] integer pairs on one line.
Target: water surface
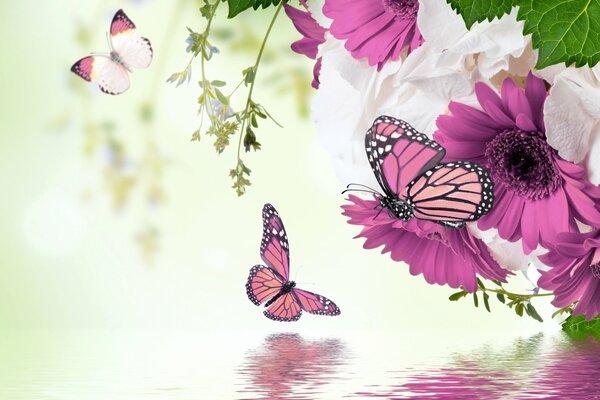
{"points": [[167, 365]]}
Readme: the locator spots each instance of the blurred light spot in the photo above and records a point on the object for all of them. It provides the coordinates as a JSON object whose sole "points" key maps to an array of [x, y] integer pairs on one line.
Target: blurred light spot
{"points": [[52, 224]]}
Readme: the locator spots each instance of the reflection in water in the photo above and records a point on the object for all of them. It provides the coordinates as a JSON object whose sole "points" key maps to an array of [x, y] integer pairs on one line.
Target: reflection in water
{"points": [[573, 370], [286, 366], [528, 369]]}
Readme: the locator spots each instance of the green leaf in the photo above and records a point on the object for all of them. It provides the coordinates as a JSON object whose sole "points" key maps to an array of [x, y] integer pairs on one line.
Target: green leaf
{"points": [[217, 83], [519, 309], [237, 6], [578, 326], [486, 301], [475, 300], [222, 98], [532, 312], [478, 10], [480, 284], [563, 31], [457, 296], [249, 75], [501, 298], [196, 135]]}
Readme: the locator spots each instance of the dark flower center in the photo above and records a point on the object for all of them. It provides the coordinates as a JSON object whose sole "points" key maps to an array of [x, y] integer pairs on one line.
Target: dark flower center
{"points": [[523, 161], [405, 9]]}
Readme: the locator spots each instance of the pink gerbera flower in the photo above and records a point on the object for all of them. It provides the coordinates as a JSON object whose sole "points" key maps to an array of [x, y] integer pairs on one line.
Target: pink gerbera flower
{"points": [[574, 273], [445, 256], [537, 193], [314, 35], [376, 29]]}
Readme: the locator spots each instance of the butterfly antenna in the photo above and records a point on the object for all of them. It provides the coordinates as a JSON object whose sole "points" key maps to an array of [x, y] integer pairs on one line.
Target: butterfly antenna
{"points": [[362, 190], [361, 185], [359, 190]]}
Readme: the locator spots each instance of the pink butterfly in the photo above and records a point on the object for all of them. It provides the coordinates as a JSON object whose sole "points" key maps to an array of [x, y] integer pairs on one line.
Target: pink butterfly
{"points": [[127, 50], [271, 283], [415, 183]]}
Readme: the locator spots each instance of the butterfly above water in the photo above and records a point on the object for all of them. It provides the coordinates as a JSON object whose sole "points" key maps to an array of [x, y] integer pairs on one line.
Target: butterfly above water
{"points": [[128, 50], [271, 283], [415, 183]]}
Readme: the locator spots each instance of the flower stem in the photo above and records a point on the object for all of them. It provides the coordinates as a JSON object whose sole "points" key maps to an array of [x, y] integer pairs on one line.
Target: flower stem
{"points": [[522, 296], [255, 70], [202, 57]]}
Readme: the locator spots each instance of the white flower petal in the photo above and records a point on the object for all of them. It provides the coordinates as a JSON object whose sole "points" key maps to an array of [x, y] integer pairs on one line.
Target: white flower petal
{"points": [[439, 23], [568, 129], [509, 254], [315, 7], [593, 164]]}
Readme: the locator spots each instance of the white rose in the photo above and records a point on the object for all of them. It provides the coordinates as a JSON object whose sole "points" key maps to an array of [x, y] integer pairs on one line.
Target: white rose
{"points": [[572, 115], [488, 52]]}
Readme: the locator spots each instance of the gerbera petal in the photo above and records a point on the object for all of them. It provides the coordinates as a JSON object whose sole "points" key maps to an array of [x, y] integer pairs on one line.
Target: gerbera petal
{"points": [[529, 228], [463, 130], [475, 116], [511, 220], [514, 100], [442, 255], [524, 122], [501, 118], [373, 31], [536, 93], [501, 203], [485, 93]]}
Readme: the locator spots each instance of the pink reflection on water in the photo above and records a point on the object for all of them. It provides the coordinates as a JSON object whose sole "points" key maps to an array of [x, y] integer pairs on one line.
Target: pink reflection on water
{"points": [[447, 383], [527, 370], [286, 366], [573, 372]]}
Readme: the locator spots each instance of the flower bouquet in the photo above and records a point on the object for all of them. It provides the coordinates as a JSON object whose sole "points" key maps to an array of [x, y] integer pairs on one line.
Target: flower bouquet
{"points": [[507, 86]]}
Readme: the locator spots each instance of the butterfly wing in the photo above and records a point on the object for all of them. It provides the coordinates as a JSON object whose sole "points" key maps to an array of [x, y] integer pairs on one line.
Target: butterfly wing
{"points": [[315, 303], [398, 153], [111, 77], [274, 248], [135, 51], [263, 284], [286, 308], [452, 193]]}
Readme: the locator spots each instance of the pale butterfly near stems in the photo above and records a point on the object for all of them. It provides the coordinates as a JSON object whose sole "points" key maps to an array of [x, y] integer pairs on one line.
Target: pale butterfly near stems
{"points": [[128, 50]]}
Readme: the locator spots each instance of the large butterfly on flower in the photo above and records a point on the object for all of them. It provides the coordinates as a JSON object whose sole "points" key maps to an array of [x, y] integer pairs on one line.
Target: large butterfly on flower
{"points": [[128, 50], [415, 183], [271, 285]]}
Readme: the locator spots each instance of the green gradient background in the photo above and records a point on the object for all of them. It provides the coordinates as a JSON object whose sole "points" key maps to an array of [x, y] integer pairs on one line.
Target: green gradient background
{"points": [[69, 262]]}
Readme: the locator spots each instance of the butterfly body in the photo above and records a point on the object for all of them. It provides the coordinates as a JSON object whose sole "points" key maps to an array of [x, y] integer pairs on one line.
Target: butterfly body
{"points": [[115, 57], [415, 183], [128, 50], [270, 284], [401, 209], [286, 288]]}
